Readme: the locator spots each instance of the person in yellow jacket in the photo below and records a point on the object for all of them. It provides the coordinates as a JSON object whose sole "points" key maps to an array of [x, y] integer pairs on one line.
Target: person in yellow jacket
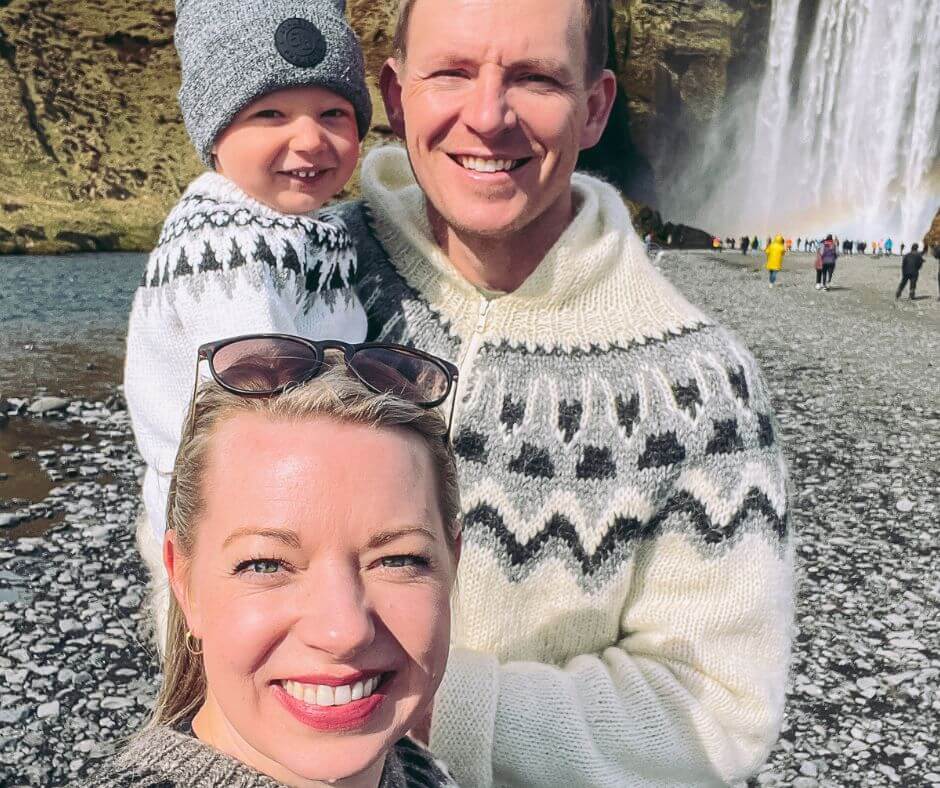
{"points": [[775, 253]]}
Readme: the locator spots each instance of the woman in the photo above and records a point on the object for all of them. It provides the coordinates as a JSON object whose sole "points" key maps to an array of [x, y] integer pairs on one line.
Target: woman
{"points": [[311, 547], [775, 252]]}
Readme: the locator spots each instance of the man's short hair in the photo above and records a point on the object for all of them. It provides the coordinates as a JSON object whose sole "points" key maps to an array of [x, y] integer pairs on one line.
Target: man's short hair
{"points": [[596, 16]]}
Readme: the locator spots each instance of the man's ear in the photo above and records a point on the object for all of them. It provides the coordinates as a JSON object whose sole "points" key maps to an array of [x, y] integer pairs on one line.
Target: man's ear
{"points": [[391, 94], [177, 573], [601, 99]]}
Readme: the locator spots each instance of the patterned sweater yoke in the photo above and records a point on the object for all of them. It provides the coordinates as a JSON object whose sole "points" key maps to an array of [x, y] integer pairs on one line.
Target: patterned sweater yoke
{"points": [[625, 589], [225, 265], [166, 758]]}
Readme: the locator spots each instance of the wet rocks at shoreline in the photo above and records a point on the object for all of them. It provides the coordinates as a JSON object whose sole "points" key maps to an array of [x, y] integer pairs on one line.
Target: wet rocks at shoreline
{"points": [[76, 673]]}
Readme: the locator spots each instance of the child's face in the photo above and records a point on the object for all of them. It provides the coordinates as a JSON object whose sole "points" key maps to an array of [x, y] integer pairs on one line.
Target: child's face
{"points": [[292, 149]]}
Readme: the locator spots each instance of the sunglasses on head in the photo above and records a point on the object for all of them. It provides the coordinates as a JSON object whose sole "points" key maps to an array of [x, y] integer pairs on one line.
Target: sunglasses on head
{"points": [[264, 365]]}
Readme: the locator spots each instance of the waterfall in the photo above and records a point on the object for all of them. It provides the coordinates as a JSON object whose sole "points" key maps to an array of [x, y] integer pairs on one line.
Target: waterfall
{"points": [[846, 141]]}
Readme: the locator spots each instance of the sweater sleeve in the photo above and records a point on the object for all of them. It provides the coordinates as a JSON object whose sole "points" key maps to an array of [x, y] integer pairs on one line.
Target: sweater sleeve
{"points": [[218, 272], [691, 694]]}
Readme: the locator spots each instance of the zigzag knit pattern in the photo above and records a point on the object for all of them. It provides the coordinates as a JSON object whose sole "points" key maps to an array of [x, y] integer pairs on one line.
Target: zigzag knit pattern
{"points": [[593, 421], [215, 227], [625, 587]]}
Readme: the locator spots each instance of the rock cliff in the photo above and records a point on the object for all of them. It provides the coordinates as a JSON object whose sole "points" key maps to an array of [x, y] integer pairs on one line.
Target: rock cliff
{"points": [[93, 151]]}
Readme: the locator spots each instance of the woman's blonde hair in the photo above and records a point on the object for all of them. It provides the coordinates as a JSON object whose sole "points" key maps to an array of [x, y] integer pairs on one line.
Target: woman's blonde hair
{"points": [[336, 395]]}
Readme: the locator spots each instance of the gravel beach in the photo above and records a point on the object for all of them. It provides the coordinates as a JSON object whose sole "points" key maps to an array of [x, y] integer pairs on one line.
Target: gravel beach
{"points": [[856, 381]]}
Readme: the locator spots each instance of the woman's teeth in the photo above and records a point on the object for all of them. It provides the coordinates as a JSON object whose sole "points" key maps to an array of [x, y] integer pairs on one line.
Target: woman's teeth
{"points": [[487, 165], [323, 695]]}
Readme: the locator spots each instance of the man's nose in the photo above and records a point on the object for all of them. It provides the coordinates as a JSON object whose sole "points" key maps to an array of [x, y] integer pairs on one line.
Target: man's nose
{"points": [[335, 615], [487, 110]]}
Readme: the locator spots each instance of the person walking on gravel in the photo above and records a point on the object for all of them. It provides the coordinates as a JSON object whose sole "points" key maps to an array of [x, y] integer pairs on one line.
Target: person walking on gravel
{"points": [[910, 270], [775, 254], [826, 263], [936, 254]]}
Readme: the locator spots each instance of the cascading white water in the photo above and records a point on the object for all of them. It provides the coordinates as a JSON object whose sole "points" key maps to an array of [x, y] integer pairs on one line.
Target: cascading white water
{"points": [[847, 141]]}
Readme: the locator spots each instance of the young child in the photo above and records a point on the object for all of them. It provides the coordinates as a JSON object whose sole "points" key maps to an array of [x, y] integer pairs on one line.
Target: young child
{"points": [[274, 98]]}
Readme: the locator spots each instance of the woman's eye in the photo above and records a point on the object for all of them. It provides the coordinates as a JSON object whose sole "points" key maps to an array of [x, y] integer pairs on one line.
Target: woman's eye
{"points": [[259, 566], [403, 561]]}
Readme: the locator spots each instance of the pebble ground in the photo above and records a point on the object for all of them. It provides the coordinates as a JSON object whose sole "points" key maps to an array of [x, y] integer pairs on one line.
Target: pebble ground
{"points": [[856, 381]]}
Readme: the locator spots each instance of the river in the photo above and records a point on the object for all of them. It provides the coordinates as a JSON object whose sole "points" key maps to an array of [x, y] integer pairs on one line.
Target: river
{"points": [[63, 321]]}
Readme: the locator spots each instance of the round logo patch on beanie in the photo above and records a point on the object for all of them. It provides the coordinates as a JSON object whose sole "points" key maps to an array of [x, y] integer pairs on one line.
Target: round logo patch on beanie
{"points": [[300, 43]]}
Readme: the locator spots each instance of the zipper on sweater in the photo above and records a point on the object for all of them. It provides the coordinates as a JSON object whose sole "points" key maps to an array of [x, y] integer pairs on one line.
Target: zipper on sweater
{"points": [[465, 365]]}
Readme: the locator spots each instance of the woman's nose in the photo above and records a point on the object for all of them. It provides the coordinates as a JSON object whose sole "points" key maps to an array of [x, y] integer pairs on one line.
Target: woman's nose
{"points": [[335, 616]]}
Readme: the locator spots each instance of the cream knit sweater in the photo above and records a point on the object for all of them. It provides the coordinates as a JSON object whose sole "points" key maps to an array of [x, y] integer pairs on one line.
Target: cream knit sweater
{"points": [[625, 591]]}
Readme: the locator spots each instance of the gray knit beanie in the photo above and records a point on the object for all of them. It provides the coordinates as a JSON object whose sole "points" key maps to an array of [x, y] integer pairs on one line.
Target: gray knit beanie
{"points": [[234, 51]]}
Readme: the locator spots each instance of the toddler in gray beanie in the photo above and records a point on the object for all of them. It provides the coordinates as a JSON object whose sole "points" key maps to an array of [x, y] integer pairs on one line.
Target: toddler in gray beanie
{"points": [[274, 98]]}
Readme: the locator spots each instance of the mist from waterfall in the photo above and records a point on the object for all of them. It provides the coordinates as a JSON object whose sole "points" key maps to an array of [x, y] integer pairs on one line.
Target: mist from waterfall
{"points": [[843, 140]]}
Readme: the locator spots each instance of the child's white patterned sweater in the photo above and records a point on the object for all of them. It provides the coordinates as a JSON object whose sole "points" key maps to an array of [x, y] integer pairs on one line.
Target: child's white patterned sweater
{"points": [[226, 265]]}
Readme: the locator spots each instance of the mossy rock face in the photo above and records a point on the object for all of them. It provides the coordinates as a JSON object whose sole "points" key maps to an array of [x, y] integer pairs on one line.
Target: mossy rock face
{"points": [[933, 235], [93, 150]]}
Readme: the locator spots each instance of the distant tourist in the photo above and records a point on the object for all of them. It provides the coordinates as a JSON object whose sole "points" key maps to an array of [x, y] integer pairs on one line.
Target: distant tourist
{"points": [[910, 270], [889, 245], [775, 252], [903, 245], [242, 251], [798, 242], [716, 244], [826, 263], [745, 243], [936, 254], [846, 247]]}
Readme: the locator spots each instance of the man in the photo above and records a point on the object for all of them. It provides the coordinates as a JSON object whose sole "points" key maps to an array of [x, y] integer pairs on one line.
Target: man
{"points": [[625, 597], [910, 270]]}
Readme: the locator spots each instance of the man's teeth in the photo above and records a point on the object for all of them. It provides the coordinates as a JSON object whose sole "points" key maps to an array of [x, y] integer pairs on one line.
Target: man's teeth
{"points": [[323, 695], [487, 165]]}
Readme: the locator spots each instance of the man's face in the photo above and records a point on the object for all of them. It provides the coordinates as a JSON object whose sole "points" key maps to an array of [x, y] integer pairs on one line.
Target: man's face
{"points": [[493, 104]]}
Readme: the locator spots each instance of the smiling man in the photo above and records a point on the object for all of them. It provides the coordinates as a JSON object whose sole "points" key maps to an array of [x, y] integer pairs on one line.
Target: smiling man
{"points": [[625, 592]]}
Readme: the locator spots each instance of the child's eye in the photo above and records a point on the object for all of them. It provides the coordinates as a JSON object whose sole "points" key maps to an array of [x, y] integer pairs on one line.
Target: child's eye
{"points": [[268, 113], [259, 566]]}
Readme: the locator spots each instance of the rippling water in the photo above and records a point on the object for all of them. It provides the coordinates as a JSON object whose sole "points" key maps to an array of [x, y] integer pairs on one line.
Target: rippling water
{"points": [[63, 320]]}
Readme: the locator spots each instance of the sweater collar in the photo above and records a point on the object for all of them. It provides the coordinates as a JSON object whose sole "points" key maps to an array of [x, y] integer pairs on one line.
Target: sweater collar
{"points": [[217, 187], [597, 230], [595, 286]]}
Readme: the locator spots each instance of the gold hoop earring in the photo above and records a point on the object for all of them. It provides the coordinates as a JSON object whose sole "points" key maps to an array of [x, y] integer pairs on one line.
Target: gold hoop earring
{"points": [[188, 641]]}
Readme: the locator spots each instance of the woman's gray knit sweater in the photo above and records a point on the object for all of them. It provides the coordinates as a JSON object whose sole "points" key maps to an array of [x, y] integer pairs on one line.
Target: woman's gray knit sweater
{"points": [[166, 758]]}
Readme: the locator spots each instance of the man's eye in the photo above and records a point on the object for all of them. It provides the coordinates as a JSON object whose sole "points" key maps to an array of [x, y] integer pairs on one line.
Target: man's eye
{"points": [[538, 78], [334, 113], [259, 566]]}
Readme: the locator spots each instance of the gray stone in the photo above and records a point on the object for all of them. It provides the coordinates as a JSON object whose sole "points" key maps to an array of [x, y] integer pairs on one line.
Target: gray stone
{"points": [[50, 709], [45, 405]]}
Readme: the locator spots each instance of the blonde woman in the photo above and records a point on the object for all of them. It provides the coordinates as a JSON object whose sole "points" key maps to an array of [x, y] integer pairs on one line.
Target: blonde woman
{"points": [[312, 546]]}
